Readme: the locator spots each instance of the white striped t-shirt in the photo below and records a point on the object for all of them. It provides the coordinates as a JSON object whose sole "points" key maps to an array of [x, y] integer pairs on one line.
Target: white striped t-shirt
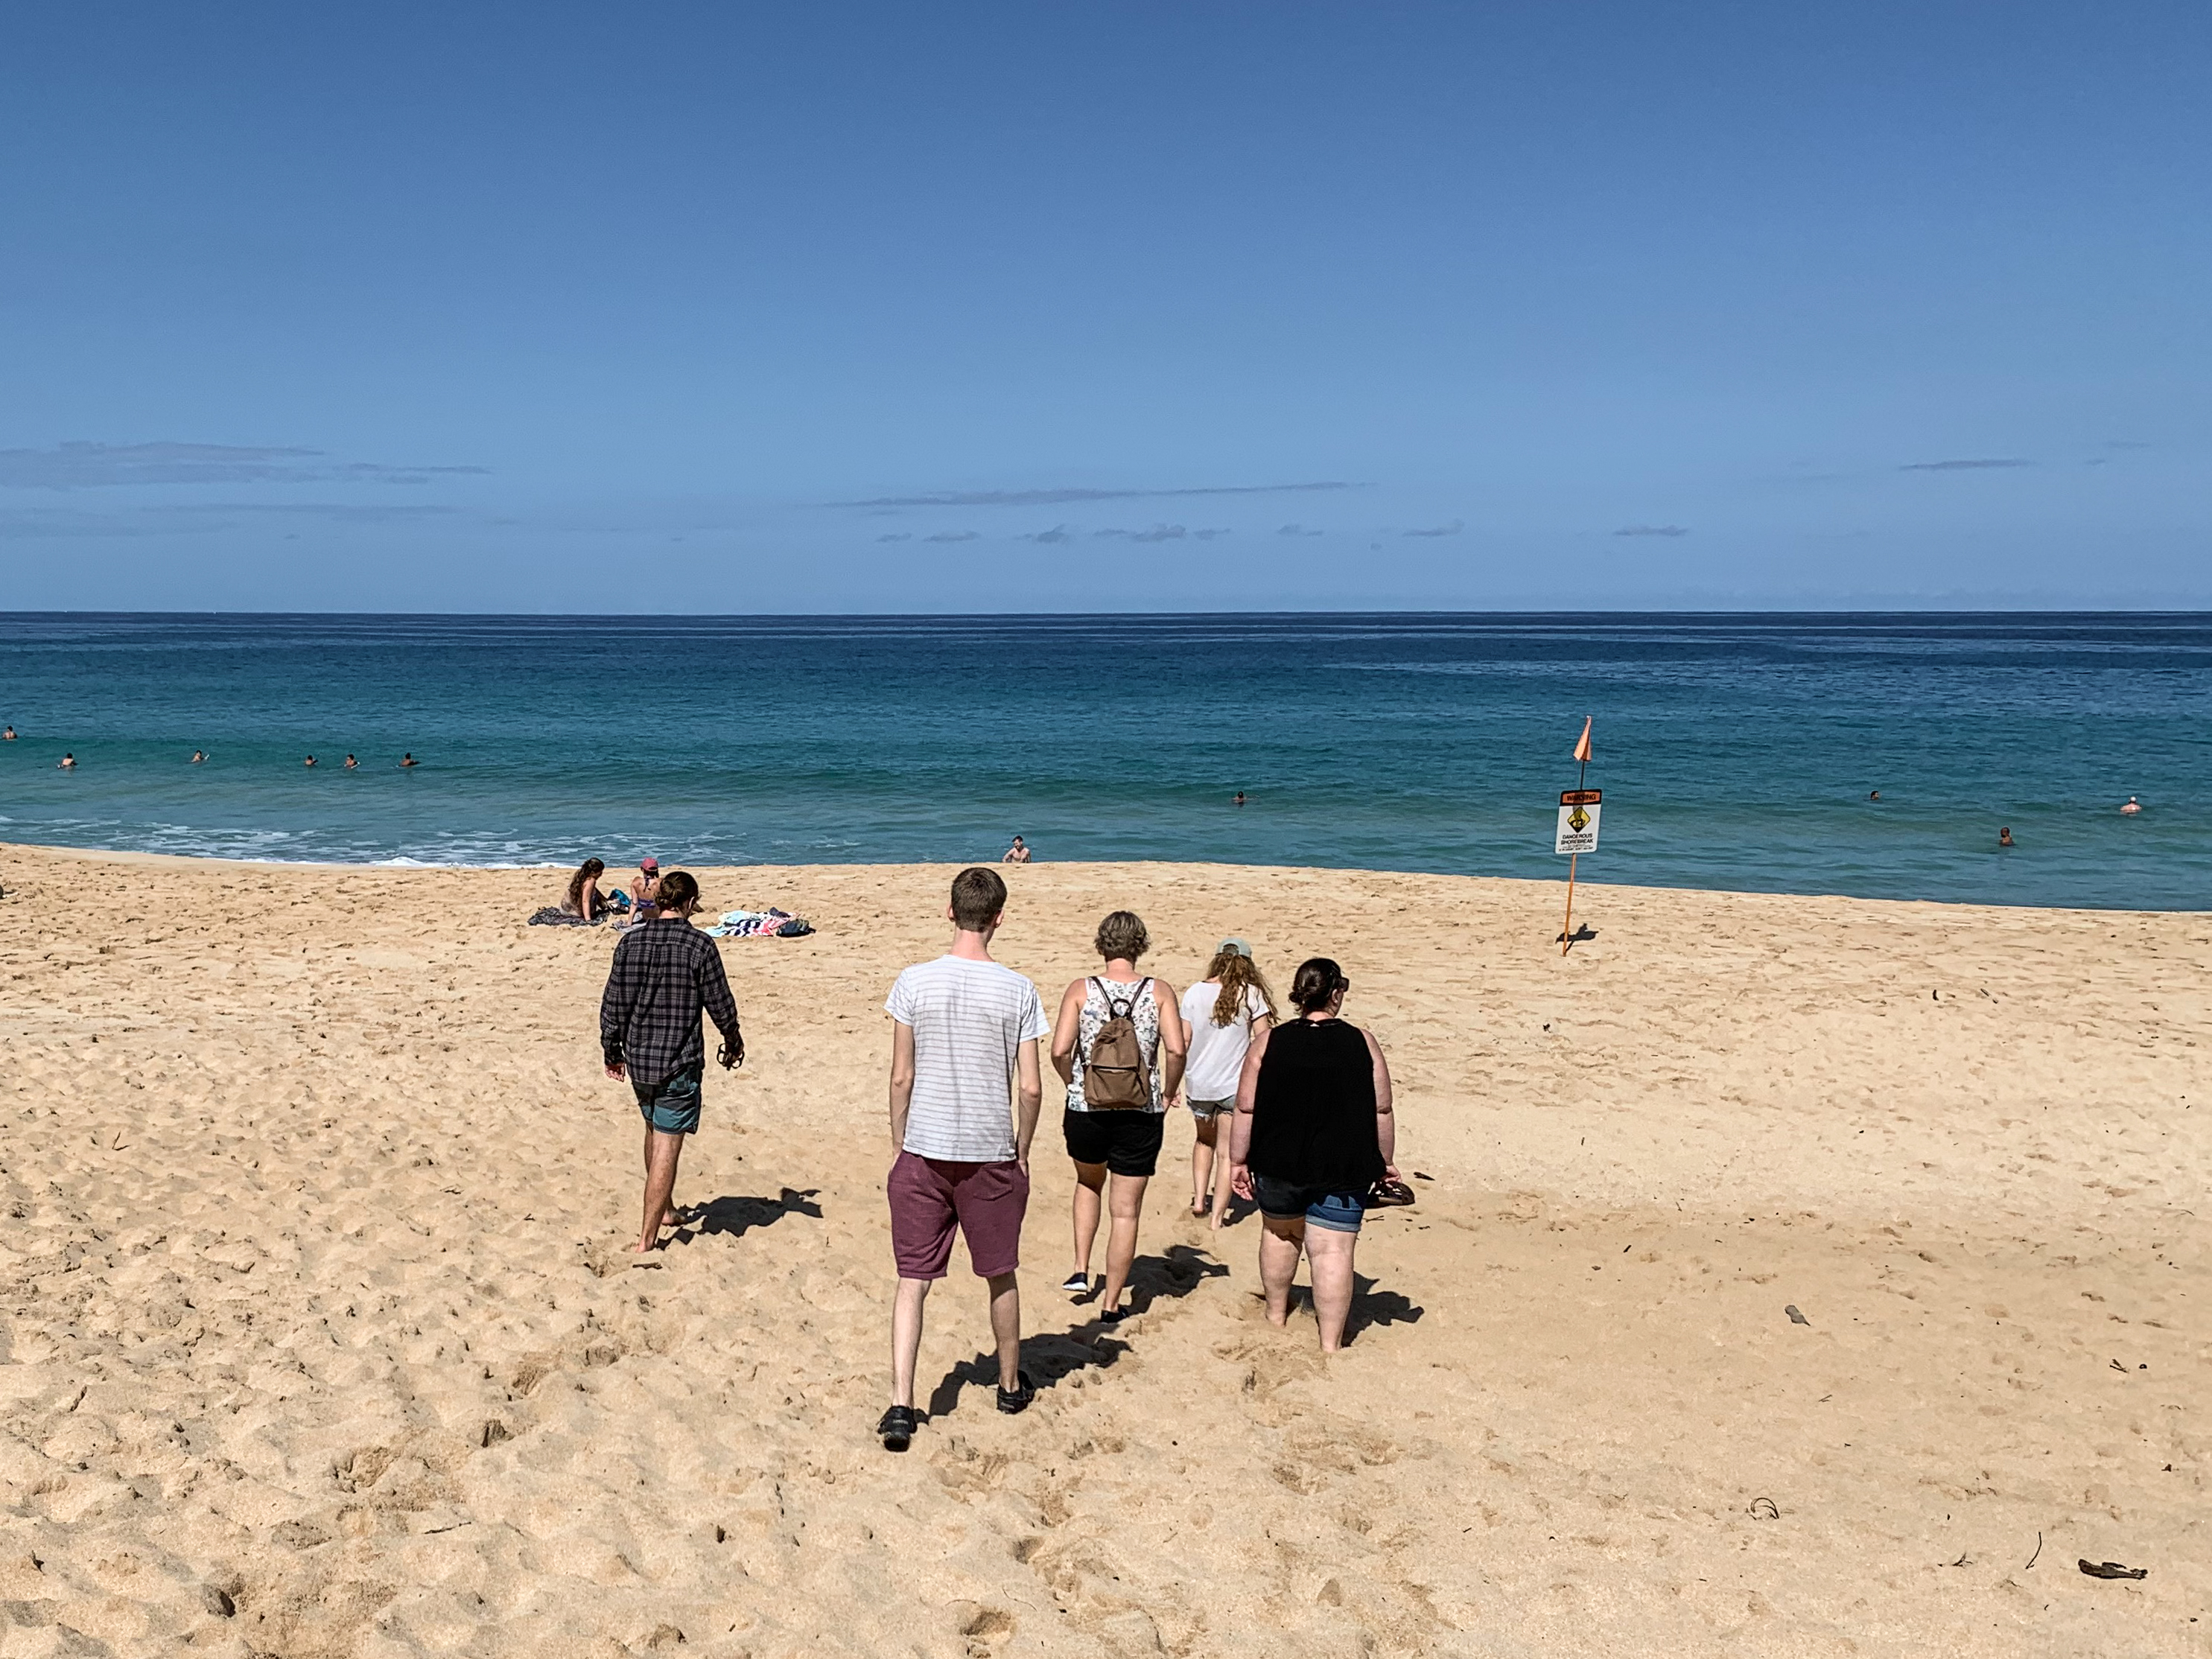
{"points": [[970, 1020]]}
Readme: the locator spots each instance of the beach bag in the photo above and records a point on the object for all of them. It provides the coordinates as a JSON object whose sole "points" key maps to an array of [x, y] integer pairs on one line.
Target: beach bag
{"points": [[1113, 1071]]}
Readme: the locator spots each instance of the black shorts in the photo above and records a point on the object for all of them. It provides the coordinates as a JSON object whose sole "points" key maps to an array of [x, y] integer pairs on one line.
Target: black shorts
{"points": [[1127, 1143]]}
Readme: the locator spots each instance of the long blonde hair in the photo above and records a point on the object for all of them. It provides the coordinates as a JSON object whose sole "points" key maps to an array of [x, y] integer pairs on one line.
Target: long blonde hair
{"points": [[1237, 973]]}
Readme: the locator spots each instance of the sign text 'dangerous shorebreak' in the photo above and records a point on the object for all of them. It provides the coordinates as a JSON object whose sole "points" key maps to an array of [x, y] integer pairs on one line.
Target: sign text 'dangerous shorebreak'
{"points": [[1579, 811]]}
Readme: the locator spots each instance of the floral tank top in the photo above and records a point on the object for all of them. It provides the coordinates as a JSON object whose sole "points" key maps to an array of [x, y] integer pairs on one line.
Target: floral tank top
{"points": [[1144, 1014]]}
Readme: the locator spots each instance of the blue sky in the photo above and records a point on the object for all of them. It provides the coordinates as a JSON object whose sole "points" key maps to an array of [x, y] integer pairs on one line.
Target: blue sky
{"points": [[1048, 307]]}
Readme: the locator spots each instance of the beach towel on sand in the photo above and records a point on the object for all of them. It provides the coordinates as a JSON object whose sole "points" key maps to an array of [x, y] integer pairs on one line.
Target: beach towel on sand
{"points": [[553, 915], [760, 923]]}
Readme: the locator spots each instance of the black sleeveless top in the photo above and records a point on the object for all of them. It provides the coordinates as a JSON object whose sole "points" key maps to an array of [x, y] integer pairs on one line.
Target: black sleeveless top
{"points": [[1313, 1109]]}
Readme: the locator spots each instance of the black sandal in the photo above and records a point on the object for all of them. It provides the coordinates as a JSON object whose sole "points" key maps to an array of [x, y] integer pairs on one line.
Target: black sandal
{"points": [[898, 1425], [1018, 1399]]}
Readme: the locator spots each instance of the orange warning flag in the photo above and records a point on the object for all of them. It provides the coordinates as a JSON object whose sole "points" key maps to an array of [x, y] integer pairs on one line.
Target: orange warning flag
{"points": [[1583, 744]]}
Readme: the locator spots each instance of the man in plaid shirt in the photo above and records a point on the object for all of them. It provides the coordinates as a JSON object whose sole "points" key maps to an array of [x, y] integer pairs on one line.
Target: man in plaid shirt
{"points": [[665, 973]]}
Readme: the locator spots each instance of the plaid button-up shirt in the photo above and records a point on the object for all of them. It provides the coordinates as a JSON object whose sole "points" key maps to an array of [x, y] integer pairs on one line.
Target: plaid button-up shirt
{"points": [[665, 972]]}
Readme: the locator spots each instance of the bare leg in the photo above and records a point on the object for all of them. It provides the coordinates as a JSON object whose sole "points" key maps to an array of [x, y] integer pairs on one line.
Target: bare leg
{"points": [[659, 1183], [1126, 1199], [1089, 1178], [1328, 1256], [668, 1215], [1201, 1163], [1221, 1171], [1006, 1330], [906, 1337], [1280, 1243]]}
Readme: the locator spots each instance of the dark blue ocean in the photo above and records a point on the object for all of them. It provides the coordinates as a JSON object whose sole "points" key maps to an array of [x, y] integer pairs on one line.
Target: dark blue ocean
{"points": [[1733, 751]]}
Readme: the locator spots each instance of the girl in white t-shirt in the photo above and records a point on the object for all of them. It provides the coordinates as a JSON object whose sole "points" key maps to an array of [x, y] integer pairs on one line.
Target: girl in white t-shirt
{"points": [[1222, 1012]]}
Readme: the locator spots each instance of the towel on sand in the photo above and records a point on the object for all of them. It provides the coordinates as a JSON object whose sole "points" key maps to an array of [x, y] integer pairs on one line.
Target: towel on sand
{"points": [[770, 923]]}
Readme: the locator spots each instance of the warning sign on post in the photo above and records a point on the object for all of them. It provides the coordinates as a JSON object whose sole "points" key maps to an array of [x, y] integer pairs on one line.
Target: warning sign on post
{"points": [[1578, 809]]}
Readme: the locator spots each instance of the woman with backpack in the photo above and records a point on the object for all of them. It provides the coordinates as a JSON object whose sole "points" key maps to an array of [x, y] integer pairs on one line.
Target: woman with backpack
{"points": [[1313, 1146], [1118, 1045], [1224, 1011]]}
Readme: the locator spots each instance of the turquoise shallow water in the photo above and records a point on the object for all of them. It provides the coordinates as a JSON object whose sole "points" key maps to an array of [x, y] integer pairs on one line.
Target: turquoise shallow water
{"points": [[1733, 751]]}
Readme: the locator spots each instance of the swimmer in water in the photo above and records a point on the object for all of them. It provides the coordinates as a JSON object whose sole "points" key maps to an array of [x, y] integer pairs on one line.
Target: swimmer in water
{"points": [[2004, 838], [352, 764], [198, 754], [310, 760], [2133, 807], [8, 736], [1873, 795], [68, 763], [408, 759], [1236, 800]]}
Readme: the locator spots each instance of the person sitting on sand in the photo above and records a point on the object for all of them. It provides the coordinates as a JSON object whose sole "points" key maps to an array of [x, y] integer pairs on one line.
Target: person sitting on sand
{"points": [[642, 890], [1223, 1011], [1018, 854], [965, 1091], [584, 897], [665, 975], [2004, 838], [1115, 1113], [68, 763], [2133, 807], [1314, 1133]]}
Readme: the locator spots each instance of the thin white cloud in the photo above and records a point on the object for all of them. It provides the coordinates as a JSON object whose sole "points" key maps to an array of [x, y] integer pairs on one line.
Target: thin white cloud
{"points": [[79, 466], [1062, 496]]}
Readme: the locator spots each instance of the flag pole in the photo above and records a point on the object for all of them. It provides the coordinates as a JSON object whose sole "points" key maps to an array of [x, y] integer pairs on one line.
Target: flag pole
{"points": [[1581, 780], [1567, 927]]}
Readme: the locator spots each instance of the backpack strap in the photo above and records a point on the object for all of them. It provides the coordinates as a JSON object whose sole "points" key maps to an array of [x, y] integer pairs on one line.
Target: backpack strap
{"points": [[1112, 1013]]}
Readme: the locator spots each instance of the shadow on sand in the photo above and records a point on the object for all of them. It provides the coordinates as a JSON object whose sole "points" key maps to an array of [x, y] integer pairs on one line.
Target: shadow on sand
{"points": [[732, 1217], [1049, 1356]]}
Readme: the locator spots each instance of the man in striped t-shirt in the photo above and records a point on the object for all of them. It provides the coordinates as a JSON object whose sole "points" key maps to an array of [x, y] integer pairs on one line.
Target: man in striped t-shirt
{"points": [[964, 1045]]}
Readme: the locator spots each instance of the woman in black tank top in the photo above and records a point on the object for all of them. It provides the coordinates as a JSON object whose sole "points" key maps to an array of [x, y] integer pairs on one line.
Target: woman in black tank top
{"points": [[1315, 1131]]}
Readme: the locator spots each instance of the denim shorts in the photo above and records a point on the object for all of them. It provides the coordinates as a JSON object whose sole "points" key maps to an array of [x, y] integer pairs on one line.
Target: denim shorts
{"points": [[1317, 1206], [671, 1105]]}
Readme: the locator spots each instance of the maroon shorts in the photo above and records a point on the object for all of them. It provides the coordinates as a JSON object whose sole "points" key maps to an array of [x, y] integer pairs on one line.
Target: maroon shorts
{"points": [[930, 1195]]}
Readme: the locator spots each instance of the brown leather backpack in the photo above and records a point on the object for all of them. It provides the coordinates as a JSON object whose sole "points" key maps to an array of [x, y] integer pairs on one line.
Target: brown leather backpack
{"points": [[1113, 1071]]}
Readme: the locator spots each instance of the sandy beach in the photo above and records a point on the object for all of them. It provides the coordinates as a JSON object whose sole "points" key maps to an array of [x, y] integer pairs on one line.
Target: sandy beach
{"points": [[319, 1338]]}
